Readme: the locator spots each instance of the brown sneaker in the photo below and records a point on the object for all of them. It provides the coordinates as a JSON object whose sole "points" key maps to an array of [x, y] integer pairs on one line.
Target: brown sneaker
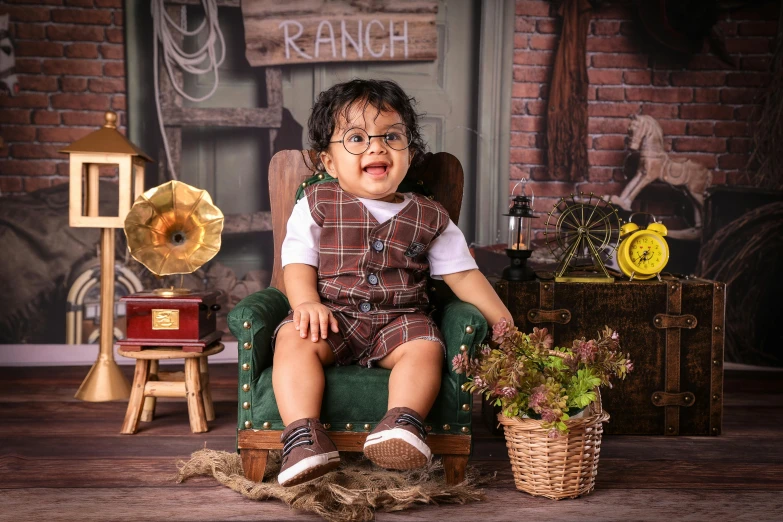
{"points": [[398, 441], [308, 452]]}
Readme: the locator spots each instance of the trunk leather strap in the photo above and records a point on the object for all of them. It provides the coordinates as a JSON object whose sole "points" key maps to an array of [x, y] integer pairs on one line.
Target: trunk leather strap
{"points": [[675, 321], [683, 399], [672, 380], [536, 315]]}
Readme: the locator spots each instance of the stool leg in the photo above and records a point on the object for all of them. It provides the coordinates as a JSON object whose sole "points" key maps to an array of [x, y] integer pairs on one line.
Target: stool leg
{"points": [[136, 401], [209, 409], [149, 402], [198, 421]]}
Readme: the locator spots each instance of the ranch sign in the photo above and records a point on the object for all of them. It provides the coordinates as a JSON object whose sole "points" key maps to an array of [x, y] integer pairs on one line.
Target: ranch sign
{"points": [[312, 31]]}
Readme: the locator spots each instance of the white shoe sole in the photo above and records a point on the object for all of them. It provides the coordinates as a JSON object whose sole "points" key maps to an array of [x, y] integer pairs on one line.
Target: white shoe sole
{"points": [[309, 468], [397, 449]]}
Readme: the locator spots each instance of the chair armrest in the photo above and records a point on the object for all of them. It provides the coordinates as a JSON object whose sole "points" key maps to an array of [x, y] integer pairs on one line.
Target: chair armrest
{"points": [[253, 321], [461, 325]]}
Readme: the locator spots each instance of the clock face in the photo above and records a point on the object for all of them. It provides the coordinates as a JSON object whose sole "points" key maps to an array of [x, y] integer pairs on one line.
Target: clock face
{"points": [[643, 254], [647, 253]]}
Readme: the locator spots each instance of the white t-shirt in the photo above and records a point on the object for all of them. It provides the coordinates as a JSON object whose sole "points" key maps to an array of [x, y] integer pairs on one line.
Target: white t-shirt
{"points": [[448, 253]]}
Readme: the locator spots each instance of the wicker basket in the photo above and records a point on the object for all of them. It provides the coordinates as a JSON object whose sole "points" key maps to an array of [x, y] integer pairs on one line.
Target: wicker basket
{"points": [[564, 467]]}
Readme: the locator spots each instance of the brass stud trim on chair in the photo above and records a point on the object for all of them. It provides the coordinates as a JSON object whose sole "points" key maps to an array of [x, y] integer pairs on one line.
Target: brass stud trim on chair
{"points": [[428, 428], [466, 407], [245, 387], [248, 424], [367, 427], [349, 426], [465, 429], [245, 366], [446, 427], [247, 346], [246, 325], [245, 405], [320, 176], [463, 348], [464, 387], [469, 329], [304, 184], [327, 426], [267, 425]]}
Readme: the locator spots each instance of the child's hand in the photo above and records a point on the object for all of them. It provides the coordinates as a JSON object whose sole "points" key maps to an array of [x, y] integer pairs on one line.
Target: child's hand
{"points": [[316, 318]]}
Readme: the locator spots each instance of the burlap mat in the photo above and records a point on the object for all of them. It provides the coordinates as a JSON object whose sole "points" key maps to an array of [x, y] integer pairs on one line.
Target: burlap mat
{"points": [[354, 492]]}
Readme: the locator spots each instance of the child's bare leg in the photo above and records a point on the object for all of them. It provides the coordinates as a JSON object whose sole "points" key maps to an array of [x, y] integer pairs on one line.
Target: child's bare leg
{"points": [[298, 374], [416, 372]]}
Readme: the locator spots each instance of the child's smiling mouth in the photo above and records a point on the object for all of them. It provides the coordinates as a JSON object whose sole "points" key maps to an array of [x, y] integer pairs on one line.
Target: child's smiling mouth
{"points": [[376, 169]]}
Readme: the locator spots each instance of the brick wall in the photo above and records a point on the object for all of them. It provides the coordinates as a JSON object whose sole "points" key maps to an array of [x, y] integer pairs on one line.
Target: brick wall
{"points": [[703, 105], [70, 60]]}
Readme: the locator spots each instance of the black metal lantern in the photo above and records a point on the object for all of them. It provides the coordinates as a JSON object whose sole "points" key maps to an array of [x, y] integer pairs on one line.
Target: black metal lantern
{"points": [[520, 216]]}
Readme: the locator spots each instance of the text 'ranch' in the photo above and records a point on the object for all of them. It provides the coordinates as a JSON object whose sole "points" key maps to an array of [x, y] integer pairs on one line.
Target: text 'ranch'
{"points": [[389, 40]]}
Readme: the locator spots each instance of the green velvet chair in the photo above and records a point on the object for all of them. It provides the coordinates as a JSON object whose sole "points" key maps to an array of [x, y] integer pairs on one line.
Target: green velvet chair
{"points": [[355, 398]]}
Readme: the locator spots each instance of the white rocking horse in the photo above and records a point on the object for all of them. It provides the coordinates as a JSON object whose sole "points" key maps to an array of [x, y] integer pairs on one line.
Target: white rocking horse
{"points": [[655, 164]]}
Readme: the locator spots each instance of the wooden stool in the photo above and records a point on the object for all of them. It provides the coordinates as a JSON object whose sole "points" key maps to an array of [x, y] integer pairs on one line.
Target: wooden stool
{"points": [[149, 383]]}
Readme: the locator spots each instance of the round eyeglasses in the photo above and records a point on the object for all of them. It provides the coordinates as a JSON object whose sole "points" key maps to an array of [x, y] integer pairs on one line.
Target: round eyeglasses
{"points": [[356, 140]]}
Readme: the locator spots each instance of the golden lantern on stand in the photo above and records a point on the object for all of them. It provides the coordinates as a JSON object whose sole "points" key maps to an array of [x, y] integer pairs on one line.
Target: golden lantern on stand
{"points": [[106, 146]]}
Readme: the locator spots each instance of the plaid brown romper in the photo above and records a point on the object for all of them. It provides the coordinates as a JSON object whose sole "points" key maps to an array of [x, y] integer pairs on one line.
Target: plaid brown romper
{"points": [[373, 276]]}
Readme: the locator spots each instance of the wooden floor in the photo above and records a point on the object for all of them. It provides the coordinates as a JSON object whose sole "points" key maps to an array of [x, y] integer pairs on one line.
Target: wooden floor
{"points": [[63, 459]]}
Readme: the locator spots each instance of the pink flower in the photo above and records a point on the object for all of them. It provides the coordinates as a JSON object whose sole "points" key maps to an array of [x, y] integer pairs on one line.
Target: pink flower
{"points": [[459, 363], [537, 397], [500, 329], [548, 415], [586, 351], [540, 335], [615, 336], [553, 434], [478, 382], [628, 365], [486, 351], [509, 392]]}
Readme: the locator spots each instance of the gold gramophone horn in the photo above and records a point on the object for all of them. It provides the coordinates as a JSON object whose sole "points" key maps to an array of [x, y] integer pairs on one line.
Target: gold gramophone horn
{"points": [[173, 229]]}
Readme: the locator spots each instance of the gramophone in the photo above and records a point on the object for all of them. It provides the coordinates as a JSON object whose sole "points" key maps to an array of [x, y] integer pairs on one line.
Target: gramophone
{"points": [[172, 229]]}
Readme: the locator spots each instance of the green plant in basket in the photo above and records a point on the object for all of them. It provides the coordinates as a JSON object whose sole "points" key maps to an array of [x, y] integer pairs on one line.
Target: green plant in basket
{"points": [[526, 376]]}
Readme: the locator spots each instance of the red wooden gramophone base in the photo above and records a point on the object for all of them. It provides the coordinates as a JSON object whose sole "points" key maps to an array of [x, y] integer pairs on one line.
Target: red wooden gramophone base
{"points": [[187, 321]]}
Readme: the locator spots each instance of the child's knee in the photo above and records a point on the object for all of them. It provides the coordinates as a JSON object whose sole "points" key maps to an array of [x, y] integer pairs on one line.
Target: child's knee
{"points": [[290, 346]]}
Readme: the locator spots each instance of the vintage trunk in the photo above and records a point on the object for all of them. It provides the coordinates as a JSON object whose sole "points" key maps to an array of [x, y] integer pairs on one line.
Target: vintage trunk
{"points": [[674, 331]]}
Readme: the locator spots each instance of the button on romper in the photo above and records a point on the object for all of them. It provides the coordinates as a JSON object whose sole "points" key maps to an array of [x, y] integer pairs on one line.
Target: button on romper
{"points": [[373, 276]]}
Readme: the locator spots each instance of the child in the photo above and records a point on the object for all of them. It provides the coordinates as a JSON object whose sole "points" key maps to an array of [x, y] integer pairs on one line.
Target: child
{"points": [[356, 257]]}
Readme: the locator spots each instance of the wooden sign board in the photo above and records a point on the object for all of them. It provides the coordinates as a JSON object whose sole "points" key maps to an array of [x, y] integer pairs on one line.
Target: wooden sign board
{"points": [[312, 31]]}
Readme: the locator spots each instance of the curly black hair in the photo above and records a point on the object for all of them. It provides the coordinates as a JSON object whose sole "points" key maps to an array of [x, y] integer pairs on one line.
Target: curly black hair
{"points": [[383, 95]]}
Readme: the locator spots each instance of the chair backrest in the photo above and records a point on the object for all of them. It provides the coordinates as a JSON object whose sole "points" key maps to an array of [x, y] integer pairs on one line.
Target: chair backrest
{"points": [[441, 173]]}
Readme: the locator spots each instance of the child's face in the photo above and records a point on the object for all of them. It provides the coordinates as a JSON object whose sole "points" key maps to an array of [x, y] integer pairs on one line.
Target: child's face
{"points": [[378, 171]]}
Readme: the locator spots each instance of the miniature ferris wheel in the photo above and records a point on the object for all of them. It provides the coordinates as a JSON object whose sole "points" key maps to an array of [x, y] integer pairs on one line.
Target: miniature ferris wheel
{"points": [[582, 233]]}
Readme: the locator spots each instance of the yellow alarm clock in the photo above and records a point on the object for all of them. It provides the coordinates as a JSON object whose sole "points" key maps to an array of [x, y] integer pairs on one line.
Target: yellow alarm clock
{"points": [[643, 252]]}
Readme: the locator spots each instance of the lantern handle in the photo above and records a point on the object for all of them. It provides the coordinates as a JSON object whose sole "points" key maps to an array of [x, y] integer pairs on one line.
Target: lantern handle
{"points": [[523, 182]]}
